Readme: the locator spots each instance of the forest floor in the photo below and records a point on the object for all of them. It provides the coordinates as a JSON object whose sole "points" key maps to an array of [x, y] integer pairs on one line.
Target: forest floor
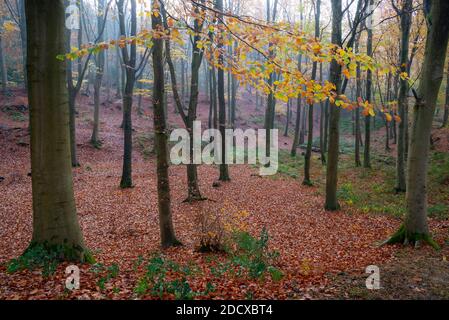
{"points": [[322, 255]]}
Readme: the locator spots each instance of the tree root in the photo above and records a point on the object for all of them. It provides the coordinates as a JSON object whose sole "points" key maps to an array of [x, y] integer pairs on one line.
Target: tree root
{"points": [[191, 199], [173, 243], [97, 144], [307, 183], [406, 238]]}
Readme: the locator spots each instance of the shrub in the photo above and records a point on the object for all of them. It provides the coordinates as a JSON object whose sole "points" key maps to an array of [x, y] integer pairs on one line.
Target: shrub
{"points": [[217, 226], [252, 255]]}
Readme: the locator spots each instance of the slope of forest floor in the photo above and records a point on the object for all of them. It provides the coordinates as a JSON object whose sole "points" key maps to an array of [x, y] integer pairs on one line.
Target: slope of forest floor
{"points": [[321, 254]]}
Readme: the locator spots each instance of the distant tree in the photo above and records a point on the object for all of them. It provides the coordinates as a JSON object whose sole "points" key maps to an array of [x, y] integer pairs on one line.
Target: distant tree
{"points": [[99, 62], [405, 14], [308, 154], [369, 86]]}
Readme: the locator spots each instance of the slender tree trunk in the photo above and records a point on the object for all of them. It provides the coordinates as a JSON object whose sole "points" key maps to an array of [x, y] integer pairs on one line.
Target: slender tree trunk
{"points": [[194, 193], [358, 94], [322, 123], [307, 158], [288, 119], [168, 237], [271, 102], [369, 79], [129, 59], [3, 68], [55, 222], [224, 169], [406, 21], [297, 127], [298, 117], [100, 61], [415, 228], [446, 107], [334, 120], [23, 39]]}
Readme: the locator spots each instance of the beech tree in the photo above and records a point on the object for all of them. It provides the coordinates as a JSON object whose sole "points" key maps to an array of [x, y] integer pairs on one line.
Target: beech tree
{"points": [[405, 14], [194, 193], [415, 228], [224, 169], [129, 62], [334, 121], [99, 62], [55, 222], [308, 155], [368, 91], [168, 237]]}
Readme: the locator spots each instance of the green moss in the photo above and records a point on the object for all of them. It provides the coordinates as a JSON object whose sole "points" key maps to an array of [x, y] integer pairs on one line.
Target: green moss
{"points": [[405, 237], [47, 257]]}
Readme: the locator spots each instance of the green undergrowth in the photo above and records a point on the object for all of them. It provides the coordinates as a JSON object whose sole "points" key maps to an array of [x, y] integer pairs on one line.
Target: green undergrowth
{"points": [[372, 191], [47, 258], [244, 257]]}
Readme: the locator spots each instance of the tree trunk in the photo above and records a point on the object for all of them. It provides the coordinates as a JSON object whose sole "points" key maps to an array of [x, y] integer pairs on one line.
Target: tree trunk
{"points": [[369, 79], [415, 228], [55, 222], [322, 123], [287, 122], [168, 237], [3, 68], [224, 169], [297, 127], [446, 107], [130, 62], [271, 102], [307, 158], [358, 94], [334, 120], [23, 39], [406, 21], [194, 193], [100, 61]]}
